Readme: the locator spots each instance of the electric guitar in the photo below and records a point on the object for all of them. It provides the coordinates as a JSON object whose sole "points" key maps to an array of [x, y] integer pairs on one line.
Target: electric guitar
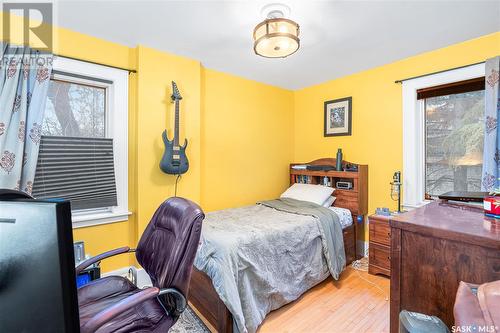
{"points": [[174, 160]]}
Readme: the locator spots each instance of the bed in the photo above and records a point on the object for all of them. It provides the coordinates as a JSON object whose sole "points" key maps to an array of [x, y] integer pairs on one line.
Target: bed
{"points": [[255, 259]]}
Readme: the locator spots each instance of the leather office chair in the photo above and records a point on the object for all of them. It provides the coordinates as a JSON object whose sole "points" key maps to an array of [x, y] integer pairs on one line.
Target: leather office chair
{"points": [[166, 251], [478, 306], [6, 193]]}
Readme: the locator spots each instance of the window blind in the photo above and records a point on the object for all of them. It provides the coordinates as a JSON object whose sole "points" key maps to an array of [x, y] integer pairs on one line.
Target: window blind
{"points": [[78, 169], [452, 88]]}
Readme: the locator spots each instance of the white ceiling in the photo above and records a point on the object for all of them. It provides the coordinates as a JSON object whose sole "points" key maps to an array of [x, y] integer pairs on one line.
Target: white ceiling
{"points": [[337, 37]]}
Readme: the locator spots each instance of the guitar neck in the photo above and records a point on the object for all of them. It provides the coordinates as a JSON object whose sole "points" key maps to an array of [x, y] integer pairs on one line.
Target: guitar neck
{"points": [[176, 130]]}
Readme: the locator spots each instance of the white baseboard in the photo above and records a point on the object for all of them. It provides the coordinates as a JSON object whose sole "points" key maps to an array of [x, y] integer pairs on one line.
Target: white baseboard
{"points": [[362, 247], [117, 272], [143, 279]]}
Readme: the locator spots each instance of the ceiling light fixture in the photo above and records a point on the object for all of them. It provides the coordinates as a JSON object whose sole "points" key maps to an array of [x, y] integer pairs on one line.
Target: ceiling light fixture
{"points": [[276, 36]]}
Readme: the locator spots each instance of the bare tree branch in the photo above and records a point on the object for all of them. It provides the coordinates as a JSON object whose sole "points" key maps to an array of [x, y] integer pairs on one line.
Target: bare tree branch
{"points": [[59, 95]]}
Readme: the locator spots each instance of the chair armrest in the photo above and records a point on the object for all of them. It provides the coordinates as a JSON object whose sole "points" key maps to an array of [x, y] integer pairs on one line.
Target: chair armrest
{"points": [[100, 257], [106, 315], [180, 301]]}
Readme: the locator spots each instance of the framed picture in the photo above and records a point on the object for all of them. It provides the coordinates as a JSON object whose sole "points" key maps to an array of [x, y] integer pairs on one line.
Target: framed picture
{"points": [[338, 117]]}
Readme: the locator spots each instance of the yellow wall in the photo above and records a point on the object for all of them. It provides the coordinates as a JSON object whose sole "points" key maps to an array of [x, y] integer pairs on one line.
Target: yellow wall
{"points": [[102, 238], [247, 141], [155, 113], [105, 237], [243, 134], [150, 112], [247, 114], [376, 137]]}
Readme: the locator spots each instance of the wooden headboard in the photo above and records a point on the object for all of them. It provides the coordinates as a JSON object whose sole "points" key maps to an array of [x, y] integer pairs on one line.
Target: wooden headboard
{"points": [[356, 199]]}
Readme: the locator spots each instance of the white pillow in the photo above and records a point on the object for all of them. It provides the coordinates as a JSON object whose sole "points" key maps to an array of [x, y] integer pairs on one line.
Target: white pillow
{"points": [[308, 192], [329, 201]]}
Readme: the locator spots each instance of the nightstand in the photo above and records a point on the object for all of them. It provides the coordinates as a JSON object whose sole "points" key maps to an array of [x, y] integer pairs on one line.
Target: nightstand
{"points": [[380, 245]]}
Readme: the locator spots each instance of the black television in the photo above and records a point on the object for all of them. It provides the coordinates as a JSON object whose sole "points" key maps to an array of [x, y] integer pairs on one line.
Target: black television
{"points": [[37, 272]]}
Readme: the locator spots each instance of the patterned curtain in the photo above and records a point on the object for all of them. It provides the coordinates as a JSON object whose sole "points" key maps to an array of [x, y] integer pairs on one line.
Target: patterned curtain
{"points": [[24, 81], [491, 152]]}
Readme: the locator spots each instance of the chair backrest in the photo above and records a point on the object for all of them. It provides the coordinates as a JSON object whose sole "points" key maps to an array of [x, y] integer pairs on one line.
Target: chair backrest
{"points": [[6, 194], [168, 246]]}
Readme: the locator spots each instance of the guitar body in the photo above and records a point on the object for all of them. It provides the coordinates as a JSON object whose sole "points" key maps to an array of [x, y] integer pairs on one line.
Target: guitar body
{"points": [[174, 160]]}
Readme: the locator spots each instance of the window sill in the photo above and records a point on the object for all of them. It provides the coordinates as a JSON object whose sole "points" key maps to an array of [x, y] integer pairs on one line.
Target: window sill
{"points": [[407, 206], [93, 219]]}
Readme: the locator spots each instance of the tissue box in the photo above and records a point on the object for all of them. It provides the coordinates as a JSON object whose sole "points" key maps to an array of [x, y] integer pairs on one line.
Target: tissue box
{"points": [[491, 206]]}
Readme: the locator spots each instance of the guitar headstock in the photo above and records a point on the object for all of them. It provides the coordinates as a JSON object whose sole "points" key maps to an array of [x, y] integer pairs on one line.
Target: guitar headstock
{"points": [[176, 95]]}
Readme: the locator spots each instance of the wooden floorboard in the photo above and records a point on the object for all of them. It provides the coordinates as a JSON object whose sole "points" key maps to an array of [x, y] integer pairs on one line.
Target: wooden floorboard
{"points": [[351, 304]]}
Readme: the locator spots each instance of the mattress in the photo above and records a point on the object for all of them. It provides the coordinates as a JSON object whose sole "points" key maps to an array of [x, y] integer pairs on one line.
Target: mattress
{"points": [[344, 215], [260, 258]]}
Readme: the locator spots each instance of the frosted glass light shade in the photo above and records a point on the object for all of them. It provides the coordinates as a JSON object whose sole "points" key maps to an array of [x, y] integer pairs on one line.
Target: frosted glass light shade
{"points": [[276, 38]]}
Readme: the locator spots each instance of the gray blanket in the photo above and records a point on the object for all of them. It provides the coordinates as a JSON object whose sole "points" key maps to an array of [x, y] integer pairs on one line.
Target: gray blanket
{"points": [[330, 228], [263, 256]]}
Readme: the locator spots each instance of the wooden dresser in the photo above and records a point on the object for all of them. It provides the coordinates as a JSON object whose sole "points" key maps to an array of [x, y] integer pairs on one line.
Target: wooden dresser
{"points": [[380, 245], [435, 247]]}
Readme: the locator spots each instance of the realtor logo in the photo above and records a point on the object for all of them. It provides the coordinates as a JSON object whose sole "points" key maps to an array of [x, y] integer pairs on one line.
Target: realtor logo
{"points": [[28, 24]]}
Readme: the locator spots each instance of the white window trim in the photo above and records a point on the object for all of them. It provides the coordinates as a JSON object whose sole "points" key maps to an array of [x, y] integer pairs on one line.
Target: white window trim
{"points": [[116, 128], [414, 130]]}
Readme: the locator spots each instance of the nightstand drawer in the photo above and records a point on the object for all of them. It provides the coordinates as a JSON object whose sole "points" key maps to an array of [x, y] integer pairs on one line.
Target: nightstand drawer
{"points": [[380, 231], [380, 256]]}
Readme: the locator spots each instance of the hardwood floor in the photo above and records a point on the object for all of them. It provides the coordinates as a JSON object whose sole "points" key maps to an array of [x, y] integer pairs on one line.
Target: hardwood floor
{"points": [[349, 305]]}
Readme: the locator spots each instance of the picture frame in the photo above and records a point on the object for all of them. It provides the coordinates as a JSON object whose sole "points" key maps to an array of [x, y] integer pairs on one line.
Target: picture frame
{"points": [[338, 117]]}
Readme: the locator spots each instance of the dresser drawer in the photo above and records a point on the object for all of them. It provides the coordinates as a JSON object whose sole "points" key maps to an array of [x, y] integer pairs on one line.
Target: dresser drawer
{"points": [[380, 256], [380, 231]]}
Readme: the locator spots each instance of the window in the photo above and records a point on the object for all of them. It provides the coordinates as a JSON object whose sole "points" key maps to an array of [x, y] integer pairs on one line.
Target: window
{"points": [[442, 134], [453, 136], [75, 109], [83, 150]]}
